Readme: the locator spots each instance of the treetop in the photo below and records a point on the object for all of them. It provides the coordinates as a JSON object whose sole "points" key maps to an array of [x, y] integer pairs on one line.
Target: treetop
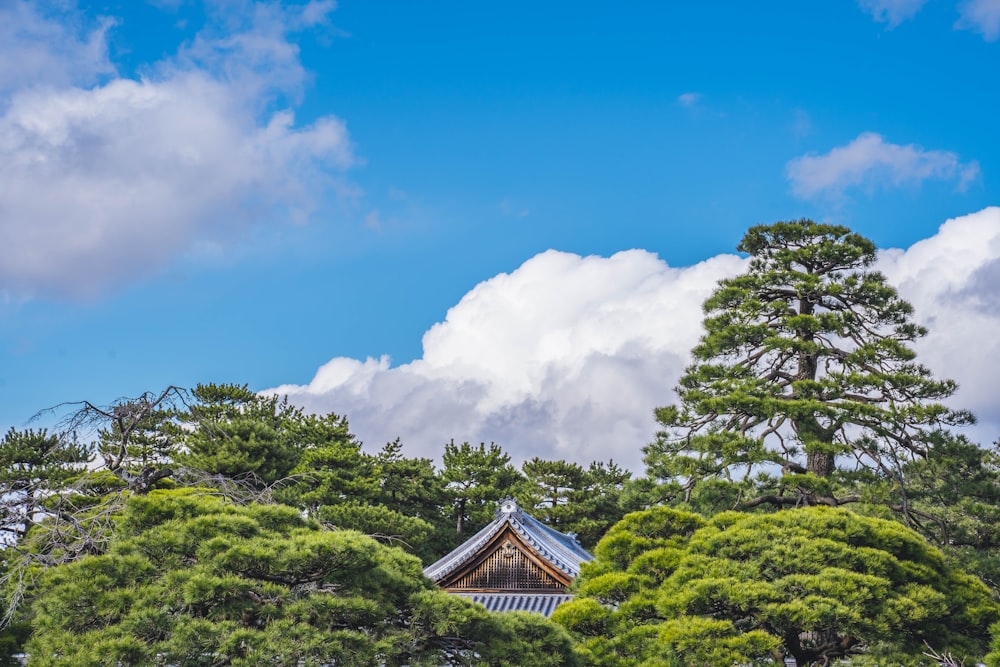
{"points": [[815, 247]]}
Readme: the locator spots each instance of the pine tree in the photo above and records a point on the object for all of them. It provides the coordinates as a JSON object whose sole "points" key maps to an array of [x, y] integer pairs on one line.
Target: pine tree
{"points": [[33, 466], [805, 360], [477, 478]]}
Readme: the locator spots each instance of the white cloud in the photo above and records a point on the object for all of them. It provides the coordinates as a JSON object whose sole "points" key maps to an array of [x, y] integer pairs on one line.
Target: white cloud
{"points": [[892, 12], [871, 161], [982, 16], [953, 281], [36, 50], [566, 356], [106, 177]]}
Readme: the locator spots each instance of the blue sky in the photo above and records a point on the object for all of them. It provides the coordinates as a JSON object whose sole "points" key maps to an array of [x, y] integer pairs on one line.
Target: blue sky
{"points": [[237, 191]]}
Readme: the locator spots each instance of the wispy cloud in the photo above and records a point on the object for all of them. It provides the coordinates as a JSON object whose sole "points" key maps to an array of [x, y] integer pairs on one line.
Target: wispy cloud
{"points": [[689, 99], [106, 177], [892, 12], [373, 221], [566, 356], [982, 16], [508, 208], [871, 161], [36, 51], [801, 123]]}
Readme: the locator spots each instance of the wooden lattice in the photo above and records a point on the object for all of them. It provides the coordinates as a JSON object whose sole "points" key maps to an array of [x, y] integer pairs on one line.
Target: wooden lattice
{"points": [[507, 568]]}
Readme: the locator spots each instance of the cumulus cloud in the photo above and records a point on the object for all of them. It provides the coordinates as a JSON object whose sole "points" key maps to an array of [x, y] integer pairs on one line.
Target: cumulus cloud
{"points": [[566, 356], [869, 160], [892, 12], [982, 16], [106, 177]]}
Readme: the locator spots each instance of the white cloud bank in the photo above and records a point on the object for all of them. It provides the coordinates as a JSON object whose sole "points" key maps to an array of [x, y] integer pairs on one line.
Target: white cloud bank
{"points": [[567, 356], [106, 177], [871, 161], [564, 357]]}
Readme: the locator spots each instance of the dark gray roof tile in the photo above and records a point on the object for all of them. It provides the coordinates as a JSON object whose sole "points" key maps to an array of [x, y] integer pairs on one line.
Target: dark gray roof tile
{"points": [[538, 603]]}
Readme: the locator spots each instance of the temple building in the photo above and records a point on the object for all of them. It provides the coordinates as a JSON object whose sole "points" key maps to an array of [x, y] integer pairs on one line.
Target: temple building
{"points": [[516, 563]]}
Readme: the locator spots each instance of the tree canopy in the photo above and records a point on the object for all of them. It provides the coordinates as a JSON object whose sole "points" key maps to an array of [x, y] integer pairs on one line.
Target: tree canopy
{"points": [[817, 584], [191, 579], [216, 526]]}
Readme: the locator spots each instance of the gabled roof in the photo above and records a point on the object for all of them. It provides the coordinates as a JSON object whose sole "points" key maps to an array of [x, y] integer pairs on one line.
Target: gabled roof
{"points": [[561, 551]]}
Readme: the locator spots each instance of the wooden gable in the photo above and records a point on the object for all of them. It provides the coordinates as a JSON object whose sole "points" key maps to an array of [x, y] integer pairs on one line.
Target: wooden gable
{"points": [[507, 563]]}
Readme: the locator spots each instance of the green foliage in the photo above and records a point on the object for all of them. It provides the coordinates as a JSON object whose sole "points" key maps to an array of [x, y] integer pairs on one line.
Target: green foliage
{"points": [[234, 432], [383, 524], [952, 498], [476, 479], [521, 638], [956, 492], [804, 358], [147, 439], [574, 499], [641, 532], [815, 583], [393, 498], [329, 473], [410, 486], [33, 465], [190, 579], [555, 484], [16, 631], [993, 657], [12, 640]]}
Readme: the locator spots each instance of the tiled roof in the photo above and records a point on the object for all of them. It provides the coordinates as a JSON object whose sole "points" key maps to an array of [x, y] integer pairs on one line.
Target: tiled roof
{"points": [[539, 603], [562, 551]]}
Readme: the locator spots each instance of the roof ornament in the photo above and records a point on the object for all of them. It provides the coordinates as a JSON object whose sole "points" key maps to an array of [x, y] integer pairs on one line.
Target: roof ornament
{"points": [[508, 507]]}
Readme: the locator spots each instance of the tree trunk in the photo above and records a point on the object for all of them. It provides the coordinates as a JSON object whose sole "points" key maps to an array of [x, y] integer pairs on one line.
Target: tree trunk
{"points": [[142, 483], [461, 515], [820, 463]]}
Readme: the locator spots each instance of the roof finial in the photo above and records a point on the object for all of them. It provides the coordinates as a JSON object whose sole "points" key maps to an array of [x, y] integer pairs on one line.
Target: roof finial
{"points": [[508, 506]]}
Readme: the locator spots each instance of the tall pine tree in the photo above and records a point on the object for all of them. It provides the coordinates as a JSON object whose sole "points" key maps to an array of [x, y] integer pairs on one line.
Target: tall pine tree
{"points": [[805, 361]]}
